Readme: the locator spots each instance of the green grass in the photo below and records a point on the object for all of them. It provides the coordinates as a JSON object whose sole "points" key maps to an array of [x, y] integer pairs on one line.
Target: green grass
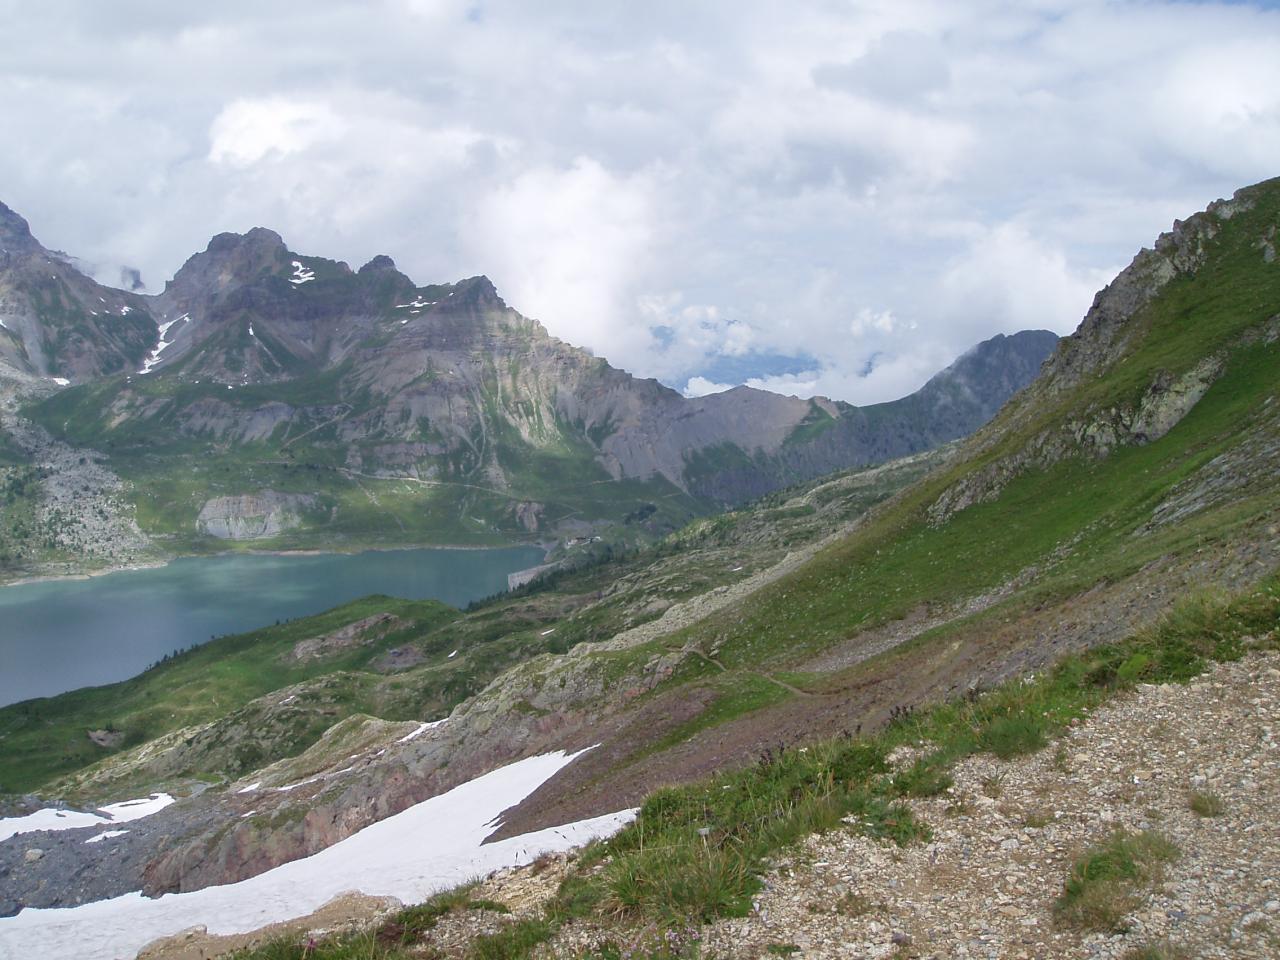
{"points": [[695, 852], [46, 737], [393, 939], [1112, 879], [1157, 951], [1204, 804], [1091, 508]]}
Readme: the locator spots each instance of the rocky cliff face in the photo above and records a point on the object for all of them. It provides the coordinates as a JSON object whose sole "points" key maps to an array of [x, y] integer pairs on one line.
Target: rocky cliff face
{"points": [[252, 517], [57, 323]]}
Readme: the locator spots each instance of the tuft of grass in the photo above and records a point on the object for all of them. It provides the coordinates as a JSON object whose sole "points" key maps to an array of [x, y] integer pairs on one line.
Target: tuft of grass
{"points": [[1204, 804], [695, 852], [927, 777], [854, 905], [513, 942], [1156, 951], [1013, 736], [1112, 879]]}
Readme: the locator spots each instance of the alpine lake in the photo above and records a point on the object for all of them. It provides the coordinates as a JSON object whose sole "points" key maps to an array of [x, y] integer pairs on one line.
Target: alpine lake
{"points": [[60, 635]]}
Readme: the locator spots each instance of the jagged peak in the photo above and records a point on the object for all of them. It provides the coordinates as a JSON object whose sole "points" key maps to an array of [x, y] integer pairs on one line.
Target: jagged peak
{"points": [[256, 237], [15, 232], [478, 290], [379, 264]]}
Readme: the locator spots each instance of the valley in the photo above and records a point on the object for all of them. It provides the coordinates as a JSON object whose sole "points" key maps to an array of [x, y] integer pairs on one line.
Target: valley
{"points": [[826, 655], [67, 634]]}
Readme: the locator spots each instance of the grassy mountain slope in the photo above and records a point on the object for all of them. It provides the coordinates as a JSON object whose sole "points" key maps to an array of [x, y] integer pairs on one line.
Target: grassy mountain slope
{"points": [[1136, 475], [1094, 499]]}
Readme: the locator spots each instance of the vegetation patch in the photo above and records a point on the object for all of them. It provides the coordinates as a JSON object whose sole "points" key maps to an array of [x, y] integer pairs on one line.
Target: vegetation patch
{"points": [[1205, 804], [696, 852], [1112, 879]]}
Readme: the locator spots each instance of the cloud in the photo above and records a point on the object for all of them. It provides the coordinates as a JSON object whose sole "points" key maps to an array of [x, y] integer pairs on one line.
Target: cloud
{"points": [[1007, 280], [246, 131], [835, 198], [570, 245], [701, 387]]}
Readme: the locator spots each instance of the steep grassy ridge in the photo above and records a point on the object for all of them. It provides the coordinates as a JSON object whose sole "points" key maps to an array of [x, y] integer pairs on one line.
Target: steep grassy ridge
{"points": [[1095, 498]]}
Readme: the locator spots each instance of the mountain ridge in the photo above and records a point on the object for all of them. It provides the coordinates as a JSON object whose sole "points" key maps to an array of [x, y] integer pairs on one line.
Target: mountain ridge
{"points": [[290, 363]]}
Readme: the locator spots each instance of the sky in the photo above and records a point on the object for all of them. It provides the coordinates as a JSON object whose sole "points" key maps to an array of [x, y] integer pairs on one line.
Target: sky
{"points": [[810, 197]]}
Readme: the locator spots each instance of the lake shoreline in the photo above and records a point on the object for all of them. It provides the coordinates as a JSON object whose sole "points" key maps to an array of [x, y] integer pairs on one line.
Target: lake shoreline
{"points": [[300, 552], [58, 636]]}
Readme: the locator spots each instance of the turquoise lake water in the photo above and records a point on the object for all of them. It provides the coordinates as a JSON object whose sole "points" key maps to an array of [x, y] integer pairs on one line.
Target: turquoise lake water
{"points": [[64, 634]]}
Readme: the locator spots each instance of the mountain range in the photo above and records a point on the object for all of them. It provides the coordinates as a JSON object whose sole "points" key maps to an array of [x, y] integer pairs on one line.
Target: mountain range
{"points": [[267, 394]]}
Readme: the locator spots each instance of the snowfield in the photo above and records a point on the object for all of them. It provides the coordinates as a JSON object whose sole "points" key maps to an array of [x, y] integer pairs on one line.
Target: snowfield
{"points": [[154, 357], [431, 846], [301, 274], [51, 819]]}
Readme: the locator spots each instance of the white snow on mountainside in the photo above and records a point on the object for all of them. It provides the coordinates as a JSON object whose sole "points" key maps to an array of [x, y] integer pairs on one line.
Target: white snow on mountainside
{"points": [[429, 847]]}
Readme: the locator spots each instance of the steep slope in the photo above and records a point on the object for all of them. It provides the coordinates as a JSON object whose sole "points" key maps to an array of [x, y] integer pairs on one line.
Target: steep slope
{"points": [[438, 413]]}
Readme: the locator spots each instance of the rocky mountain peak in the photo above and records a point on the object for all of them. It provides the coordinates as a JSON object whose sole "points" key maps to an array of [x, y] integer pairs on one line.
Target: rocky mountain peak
{"points": [[379, 264], [258, 238], [15, 233]]}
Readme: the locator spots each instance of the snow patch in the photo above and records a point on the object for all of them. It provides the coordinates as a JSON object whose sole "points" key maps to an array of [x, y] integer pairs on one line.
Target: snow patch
{"points": [[3, 324], [154, 357], [125, 311], [431, 846], [51, 819], [60, 381], [417, 304], [452, 655], [422, 728], [301, 274], [295, 786], [547, 633], [250, 788], [106, 836]]}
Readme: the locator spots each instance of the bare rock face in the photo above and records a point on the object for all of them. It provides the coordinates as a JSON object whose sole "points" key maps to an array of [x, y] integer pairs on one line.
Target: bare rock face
{"points": [[57, 323], [252, 516]]}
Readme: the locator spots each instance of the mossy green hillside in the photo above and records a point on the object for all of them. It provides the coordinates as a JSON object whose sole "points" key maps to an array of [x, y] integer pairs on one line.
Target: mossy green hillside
{"points": [[47, 737]]}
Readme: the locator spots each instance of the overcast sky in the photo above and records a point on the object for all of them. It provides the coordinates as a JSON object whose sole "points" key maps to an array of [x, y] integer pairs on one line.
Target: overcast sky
{"points": [[831, 197]]}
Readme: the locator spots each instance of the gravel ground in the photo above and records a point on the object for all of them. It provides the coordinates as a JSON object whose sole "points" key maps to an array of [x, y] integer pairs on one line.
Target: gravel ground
{"points": [[1006, 834]]}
